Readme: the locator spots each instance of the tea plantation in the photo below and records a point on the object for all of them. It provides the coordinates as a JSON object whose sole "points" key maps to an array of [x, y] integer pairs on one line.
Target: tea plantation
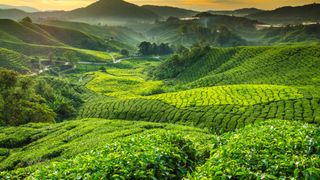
{"points": [[13, 60], [289, 90], [138, 150], [205, 113]]}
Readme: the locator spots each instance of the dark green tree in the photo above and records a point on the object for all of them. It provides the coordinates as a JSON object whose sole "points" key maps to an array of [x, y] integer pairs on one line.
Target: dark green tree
{"points": [[27, 19], [71, 57], [124, 52]]}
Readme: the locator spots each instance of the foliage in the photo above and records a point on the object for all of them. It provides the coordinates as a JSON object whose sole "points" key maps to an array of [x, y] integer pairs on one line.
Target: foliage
{"points": [[71, 57], [270, 150], [61, 96], [20, 102], [178, 62], [124, 52], [27, 19], [146, 48], [32, 144]]}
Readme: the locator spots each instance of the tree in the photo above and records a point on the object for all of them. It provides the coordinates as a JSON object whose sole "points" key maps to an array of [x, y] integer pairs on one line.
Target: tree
{"points": [[103, 69], [27, 19], [71, 57], [8, 79], [145, 48], [124, 52]]}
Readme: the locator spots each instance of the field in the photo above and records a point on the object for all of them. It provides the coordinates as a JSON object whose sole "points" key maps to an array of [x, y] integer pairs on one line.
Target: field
{"points": [[219, 108], [98, 148], [246, 112], [13, 60]]}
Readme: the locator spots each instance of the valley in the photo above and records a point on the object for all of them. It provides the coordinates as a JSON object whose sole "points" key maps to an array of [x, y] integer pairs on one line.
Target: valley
{"points": [[159, 92]]}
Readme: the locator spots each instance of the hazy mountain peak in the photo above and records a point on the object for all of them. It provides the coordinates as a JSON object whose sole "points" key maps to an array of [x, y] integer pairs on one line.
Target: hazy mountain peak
{"points": [[23, 8]]}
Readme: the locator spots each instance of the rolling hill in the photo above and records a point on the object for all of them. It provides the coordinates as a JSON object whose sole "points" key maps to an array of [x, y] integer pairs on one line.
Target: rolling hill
{"points": [[14, 61], [213, 29], [167, 11], [126, 36], [50, 35], [22, 8], [289, 15], [238, 12], [12, 14], [292, 34], [25, 33]]}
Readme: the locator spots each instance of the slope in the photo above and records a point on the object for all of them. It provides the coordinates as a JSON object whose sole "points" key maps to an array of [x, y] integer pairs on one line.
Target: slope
{"points": [[109, 33], [12, 14], [35, 143], [22, 8], [115, 9], [14, 61], [167, 11], [26, 34], [289, 15], [238, 12], [161, 151]]}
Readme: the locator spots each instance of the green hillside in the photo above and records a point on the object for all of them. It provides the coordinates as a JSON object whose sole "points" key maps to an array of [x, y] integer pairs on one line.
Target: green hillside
{"points": [[14, 61], [98, 148], [119, 91], [58, 51], [282, 65], [124, 35], [24, 33]]}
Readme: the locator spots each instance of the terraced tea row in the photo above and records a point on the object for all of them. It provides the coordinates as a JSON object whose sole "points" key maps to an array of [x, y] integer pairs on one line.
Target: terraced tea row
{"points": [[217, 118], [281, 65], [233, 94], [36, 143], [161, 151], [13, 60]]}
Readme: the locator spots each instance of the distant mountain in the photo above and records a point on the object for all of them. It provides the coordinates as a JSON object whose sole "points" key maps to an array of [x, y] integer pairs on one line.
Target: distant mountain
{"points": [[213, 30], [238, 12], [167, 11], [238, 24], [112, 9], [12, 14], [23, 8], [292, 34], [289, 15]]}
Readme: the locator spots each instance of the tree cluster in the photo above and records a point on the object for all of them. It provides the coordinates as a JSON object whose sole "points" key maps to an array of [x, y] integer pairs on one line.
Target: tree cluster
{"points": [[183, 58], [25, 99], [147, 48]]}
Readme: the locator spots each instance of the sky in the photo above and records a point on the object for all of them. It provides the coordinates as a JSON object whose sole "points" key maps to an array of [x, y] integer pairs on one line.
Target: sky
{"points": [[190, 4]]}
